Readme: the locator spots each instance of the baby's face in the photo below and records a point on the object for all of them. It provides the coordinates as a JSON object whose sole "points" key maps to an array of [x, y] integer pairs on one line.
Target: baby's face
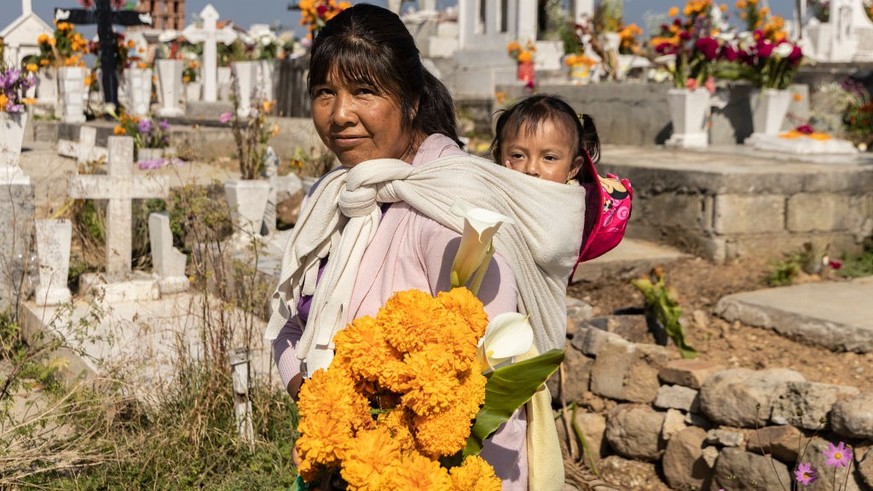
{"points": [[546, 153]]}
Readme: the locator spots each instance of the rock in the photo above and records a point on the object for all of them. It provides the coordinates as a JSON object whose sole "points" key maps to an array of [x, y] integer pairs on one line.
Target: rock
{"points": [[579, 310], [593, 428], [865, 468], [814, 454], [783, 442], [683, 463], [628, 372], [710, 455], [701, 320], [854, 417], [725, 438], [688, 373], [677, 397], [674, 422], [590, 340], [699, 420], [577, 373], [737, 469], [627, 474], [741, 397], [633, 328], [807, 404], [287, 209], [634, 431]]}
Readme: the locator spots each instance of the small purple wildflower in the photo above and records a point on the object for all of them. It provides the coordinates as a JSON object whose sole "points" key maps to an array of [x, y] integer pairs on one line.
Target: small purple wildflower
{"points": [[163, 125], [838, 456], [144, 125], [225, 117], [153, 164], [805, 474]]}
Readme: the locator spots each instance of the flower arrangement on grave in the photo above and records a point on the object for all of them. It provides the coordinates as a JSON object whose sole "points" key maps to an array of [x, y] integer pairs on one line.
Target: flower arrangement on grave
{"points": [[147, 132], [629, 43], [66, 47], [14, 83], [521, 54], [690, 44], [608, 16], [761, 55], [267, 47], [412, 392], [315, 13], [579, 60], [251, 132]]}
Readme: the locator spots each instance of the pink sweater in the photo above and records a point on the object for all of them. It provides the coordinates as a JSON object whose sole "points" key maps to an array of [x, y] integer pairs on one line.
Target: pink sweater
{"points": [[410, 251]]}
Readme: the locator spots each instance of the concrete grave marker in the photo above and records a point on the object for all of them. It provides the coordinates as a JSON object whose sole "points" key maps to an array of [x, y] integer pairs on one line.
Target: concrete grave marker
{"points": [[168, 262], [119, 187], [53, 239], [86, 149], [210, 35]]}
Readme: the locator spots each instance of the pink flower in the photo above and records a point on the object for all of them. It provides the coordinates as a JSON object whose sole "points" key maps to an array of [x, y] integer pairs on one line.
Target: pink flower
{"points": [[710, 85], [225, 117], [691, 84], [765, 48], [729, 53], [839, 456], [805, 474], [835, 264], [796, 54], [805, 129]]}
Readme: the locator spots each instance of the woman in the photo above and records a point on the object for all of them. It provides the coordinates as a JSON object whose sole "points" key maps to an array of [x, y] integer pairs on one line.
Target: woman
{"points": [[382, 222]]}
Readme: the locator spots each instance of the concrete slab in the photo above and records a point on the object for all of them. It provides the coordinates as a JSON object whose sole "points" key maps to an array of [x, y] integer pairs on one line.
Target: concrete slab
{"points": [[631, 258], [835, 315], [143, 341]]}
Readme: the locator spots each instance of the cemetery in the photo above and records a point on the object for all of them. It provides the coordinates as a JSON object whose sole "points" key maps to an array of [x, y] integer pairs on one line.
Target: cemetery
{"points": [[151, 177]]}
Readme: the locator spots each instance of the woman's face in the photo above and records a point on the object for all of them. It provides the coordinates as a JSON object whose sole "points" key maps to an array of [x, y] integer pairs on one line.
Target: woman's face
{"points": [[547, 153], [357, 122]]}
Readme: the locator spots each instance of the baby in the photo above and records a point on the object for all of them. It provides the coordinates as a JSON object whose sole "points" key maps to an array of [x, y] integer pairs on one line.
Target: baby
{"points": [[542, 136]]}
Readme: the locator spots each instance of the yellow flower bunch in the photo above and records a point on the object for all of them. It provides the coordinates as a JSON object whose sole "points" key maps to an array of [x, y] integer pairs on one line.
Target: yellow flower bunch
{"points": [[65, 48], [519, 53], [579, 60], [314, 13], [760, 18], [414, 366], [694, 8], [629, 43]]}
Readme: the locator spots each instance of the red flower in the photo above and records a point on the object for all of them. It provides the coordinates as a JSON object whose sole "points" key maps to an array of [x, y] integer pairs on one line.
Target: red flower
{"points": [[729, 53], [796, 54], [321, 10], [708, 46], [764, 48], [685, 35], [805, 129]]}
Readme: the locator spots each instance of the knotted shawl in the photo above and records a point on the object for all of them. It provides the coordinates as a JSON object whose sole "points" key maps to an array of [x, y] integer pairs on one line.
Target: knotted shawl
{"points": [[342, 214]]}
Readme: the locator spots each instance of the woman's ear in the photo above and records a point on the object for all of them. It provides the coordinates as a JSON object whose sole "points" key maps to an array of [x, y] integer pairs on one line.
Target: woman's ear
{"points": [[574, 169]]}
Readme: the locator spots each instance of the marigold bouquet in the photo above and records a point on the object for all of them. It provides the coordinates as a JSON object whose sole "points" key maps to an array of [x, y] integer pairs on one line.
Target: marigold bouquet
{"points": [[65, 47], [315, 13], [398, 397], [519, 53], [690, 42]]}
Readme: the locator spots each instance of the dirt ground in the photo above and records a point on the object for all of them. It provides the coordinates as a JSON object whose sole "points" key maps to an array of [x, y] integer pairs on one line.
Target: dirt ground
{"points": [[699, 285]]}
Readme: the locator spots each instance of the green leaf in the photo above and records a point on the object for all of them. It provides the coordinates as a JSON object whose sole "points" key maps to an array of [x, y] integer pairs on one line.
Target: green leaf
{"points": [[507, 389]]}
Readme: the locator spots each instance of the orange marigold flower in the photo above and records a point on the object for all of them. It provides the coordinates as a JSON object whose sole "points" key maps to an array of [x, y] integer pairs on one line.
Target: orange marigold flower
{"points": [[474, 473], [362, 348], [31, 67], [797, 97], [433, 383], [398, 422], [673, 12], [442, 434], [3, 101], [464, 303], [119, 130], [28, 100], [415, 471], [368, 458]]}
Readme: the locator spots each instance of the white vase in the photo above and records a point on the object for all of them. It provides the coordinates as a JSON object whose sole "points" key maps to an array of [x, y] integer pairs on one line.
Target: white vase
{"points": [[266, 75], [688, 111], [139, 90], [170, 76], [71, 86], [47, 87], [246, 73], [192, 91], [611, 41], [53, 238], [769, 107], [12, 127], [247, 200]]}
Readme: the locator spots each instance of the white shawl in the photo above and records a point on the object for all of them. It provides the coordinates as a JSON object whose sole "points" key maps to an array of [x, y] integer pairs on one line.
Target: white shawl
{"points": [[342, 214]]}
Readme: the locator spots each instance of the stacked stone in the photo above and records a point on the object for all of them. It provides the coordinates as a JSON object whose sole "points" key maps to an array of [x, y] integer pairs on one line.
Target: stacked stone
{"points": [[706, 426]]}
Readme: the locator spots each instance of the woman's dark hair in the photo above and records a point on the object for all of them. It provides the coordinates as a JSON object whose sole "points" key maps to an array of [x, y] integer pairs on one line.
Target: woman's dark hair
{"points": [[370, 45], [530, 112]]}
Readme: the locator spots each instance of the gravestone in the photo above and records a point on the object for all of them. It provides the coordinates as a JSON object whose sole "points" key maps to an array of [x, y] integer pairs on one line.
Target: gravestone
{"points": [[16, 221], [53, 239], [19, 37], [210, 35], [167, 261], [86, 149], [170, 78], [484, 29], [846, 37], [119, 187]]}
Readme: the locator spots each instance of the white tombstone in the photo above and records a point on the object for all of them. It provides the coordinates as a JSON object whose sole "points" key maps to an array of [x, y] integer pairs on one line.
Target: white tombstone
{"points": [[846, 37], [223, 75], [246, 73], [119, 187], [139, 90], [482, 38], [53, 239], [167, 261], [209, 35], [266, 78], [170, 77], [20, 35], [12, 127], [47, 86], [86, 149], [71, 85]]}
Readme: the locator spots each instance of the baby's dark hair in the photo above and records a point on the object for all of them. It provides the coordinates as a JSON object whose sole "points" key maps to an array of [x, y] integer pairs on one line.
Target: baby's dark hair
{"points": [[532, 111]]}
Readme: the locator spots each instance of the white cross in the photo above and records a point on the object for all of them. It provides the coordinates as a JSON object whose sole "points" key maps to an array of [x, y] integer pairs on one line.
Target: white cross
{"points": [[119, 187], [26, 7], [210, 36]]}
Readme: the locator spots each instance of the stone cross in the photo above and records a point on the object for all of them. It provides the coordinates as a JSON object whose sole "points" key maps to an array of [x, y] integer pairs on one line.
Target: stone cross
{"points": [[119, 187], [167, 261], [26, 7], [86, 149], [210, 36]]}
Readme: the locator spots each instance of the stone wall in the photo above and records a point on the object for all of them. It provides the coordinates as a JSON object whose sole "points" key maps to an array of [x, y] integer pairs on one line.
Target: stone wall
{"points": [[739, 203], [706, 426]]}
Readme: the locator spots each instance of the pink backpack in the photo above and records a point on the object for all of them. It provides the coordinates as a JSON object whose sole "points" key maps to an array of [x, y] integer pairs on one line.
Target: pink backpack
{"points": [[607, 212]]}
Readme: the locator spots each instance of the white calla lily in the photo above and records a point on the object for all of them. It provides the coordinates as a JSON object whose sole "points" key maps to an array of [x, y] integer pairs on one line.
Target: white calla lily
{"points": [[474, 253], [783, 50], [508, 335]]}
